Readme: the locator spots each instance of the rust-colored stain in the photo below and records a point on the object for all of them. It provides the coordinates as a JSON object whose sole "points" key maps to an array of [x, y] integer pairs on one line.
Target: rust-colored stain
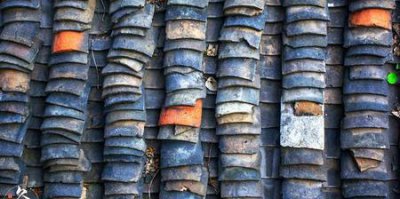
{"points": [[307, 109], [68, 41], [372, 17], [365, 164], [182, 115]]}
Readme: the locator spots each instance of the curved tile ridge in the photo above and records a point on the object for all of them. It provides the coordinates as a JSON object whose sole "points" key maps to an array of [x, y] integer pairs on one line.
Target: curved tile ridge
{"points": [[237, 101], [33, 172], [364, 137], [302, 112], [19, 45], [270, 98], [67, 90], [183, 172], [123, 92]]}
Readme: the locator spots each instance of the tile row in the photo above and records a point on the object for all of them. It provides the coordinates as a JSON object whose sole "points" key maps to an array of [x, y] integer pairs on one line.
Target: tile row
{"points": [[364, 136], [182, 166], [19, 45], [131, 49], [302, 112], [237, 109], [67, 91]]}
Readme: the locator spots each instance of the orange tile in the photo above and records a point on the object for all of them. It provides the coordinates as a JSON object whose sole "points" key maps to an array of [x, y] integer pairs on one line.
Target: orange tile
{"points": [[182, 115], [372, 17], [68, 41]]}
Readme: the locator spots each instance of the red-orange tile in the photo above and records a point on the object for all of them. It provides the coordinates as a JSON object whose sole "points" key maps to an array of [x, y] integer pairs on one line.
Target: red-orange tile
{"points": [[182, 115], [372, 17], [68, 41]]}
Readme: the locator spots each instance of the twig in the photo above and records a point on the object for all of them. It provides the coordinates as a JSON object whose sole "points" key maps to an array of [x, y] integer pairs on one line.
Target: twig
{"points": [[104, 8], [151, 183], [97, 69]]}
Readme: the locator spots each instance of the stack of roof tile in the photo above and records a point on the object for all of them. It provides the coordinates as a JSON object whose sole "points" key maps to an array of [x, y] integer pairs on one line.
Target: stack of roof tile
{"points": [[19, 45], [125, 115], [237, 110], [208, 135], [270, 98], [270, 66], [67, 92], [154, 96], [183, 174], [302, 113], [364, 137], [394, 91], [33, 172], [92, 140], [210, 144], [392, 156], [333, 97]]}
